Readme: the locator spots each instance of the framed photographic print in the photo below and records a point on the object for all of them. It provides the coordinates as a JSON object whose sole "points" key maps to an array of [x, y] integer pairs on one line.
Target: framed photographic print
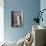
{"points": [[17, 18]]}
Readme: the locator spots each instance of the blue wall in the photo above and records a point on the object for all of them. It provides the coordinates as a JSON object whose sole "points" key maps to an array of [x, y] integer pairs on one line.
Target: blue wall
{"points": [[29, 7], [43, 6]]}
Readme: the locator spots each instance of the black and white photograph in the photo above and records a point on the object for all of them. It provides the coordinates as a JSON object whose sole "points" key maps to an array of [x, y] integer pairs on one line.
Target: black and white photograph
{"points": [[16, 18]]}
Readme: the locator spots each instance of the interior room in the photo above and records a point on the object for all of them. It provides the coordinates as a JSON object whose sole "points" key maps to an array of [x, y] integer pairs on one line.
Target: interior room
{"points": [[22, 23]]}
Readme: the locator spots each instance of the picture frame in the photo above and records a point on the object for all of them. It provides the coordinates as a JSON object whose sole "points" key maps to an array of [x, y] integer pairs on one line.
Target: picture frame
{"points": [[17, 18]]}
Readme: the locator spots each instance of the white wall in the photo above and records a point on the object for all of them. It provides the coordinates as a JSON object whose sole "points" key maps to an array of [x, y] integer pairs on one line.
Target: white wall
{"points": [[1, 20]]}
